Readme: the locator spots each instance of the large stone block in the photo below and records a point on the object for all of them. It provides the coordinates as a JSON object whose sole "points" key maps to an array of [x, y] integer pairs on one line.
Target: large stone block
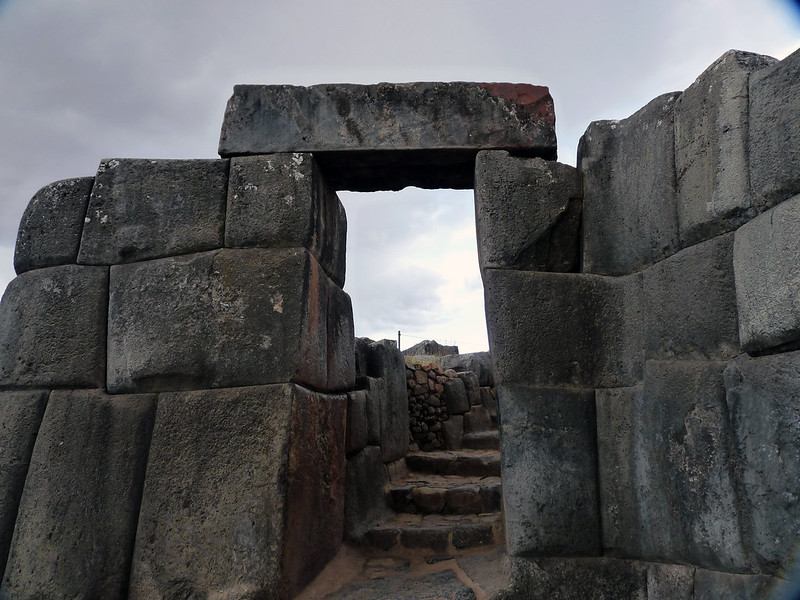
{"points": [[763, 396], [629, 196], [236, 317], [479, 363], [564, 328], [20, 416], [683, 469], [53, 328], [455, 396], [357, 423], [50, 230], [141, 209], [547, 431], [244, 495], [283, 201], [713, 585], [389, 136], [767, 273], [375, 388], [711, 148], [77, 517], [365, 495], [527, 213], [775, 132], [340, 336], [690, 303]]}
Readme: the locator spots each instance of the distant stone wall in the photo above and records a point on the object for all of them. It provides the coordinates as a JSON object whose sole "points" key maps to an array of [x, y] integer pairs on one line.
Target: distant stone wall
{"points": [[657, 375]]}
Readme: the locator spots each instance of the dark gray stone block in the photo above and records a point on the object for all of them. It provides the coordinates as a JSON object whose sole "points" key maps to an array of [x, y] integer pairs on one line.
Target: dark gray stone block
{"points": [[357, 427], [375, 388], [453, 430], [670, 582], [629, 196], [564, 328], [479, 363], [763, 400], [236, 317], [50, 230], [455, 396], [141, 209], [77, 517], [53, 328], [683, 469], [527, 213], [389, 136], [432, 586], [20, 416], [713, 585], [340, 350], [244, 493], [711, 153], [471, 386], [547, 431], [775, 132], [767, 275], [283, 201], [365, 496], [690, 303]]}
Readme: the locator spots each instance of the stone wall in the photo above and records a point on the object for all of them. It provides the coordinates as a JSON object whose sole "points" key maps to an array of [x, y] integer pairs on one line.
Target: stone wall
{"points": [[653, 383]]}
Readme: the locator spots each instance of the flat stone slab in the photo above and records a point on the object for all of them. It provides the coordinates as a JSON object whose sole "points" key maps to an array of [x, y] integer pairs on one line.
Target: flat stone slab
{"points": [[429, 587], [389, 136]]}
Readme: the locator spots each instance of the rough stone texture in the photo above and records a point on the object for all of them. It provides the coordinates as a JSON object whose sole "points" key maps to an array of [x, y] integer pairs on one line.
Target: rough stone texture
{"points": [[564, 328], [244, 493], [527, 213], [471, 385], [376, 397], [479, 363], [713, 585], [357, 427], [141, 209], [388, 135], [236, 317], [670, 582], [547, 431], [477, 420], [340, 338], [365, 501], [283, 201], [453, 429], [763, 400], [629, 197], [775, 131], [77, 517], [616, 463], [711, 148], [50, 230], [767, 276], [434, 586], [430, 348], [53, 328], [683, 473], [455, 396], [20, 416], [690, 303]]}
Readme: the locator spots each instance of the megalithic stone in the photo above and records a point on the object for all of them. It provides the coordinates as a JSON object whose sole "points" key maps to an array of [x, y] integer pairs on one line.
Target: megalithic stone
{"points": [[77, 516], [389, 136], [244, 496]]}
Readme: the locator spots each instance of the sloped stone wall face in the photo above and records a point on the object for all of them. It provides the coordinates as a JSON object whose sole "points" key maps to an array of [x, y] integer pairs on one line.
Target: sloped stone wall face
{"points": [[649, 391]]}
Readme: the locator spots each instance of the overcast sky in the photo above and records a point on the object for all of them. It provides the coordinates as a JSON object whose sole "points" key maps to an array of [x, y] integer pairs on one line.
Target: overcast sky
{"points": [[85, 79]]}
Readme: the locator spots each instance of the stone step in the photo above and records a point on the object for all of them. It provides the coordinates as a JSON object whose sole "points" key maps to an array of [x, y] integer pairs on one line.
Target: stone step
{"points": [[480, 463], [438, 533], [482, 440], [432, 494]]}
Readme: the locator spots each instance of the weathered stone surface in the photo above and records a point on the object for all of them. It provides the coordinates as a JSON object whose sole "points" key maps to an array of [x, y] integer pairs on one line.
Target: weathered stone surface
{"points": [[690, 303], [711, 153], [244, 493], [77, 517], [141, 209], [430, 349], [471, 386], [357, 427], [489, 400], [564, 328], [477, 420], [479, 363], [763, 401], [283, 201], [767, 276], [453, 430], [455, 396], [547, 431], [365, 501], [616, 463], [20, 416], [339, 352], [527, 213], [236, 317], [389, 136], [670, 582], [682, 466], [50, 230], [775, 132], [433, 586], [53, 328], [713, 585], [629, 197], [375, 388]]}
